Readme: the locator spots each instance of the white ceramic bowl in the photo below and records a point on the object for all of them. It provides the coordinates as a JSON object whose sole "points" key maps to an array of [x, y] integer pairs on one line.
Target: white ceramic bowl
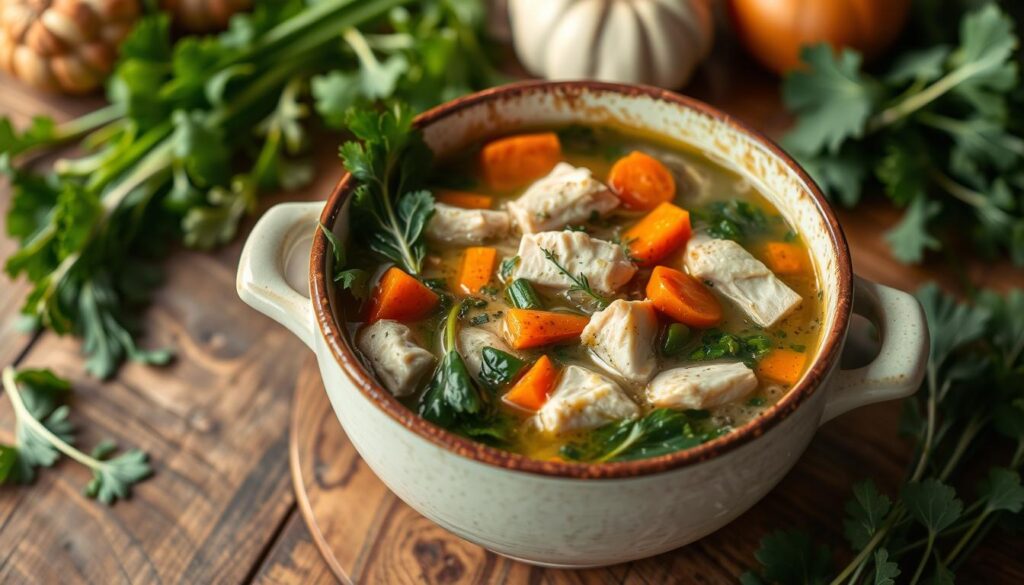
{"points": [[574, 514]]}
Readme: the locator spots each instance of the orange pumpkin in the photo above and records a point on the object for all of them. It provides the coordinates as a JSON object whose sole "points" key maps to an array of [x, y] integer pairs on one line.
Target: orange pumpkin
{"points": [[774, 31]]}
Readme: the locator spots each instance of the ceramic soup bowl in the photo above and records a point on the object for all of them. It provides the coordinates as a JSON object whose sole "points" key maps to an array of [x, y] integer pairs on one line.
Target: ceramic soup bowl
{"points": [[575, 514]]}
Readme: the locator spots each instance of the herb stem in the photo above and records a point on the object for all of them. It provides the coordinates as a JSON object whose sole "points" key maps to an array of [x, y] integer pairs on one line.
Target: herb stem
{"points": [[966, 538], [579, 282], [926, 446], [924, 558], [913, 103], [449, 328], [894, 516], [23, 416]]}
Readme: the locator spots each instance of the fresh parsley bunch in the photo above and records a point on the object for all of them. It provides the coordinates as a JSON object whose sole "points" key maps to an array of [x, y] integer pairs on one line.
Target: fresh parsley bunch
{"points": [[44, 433], [970, 405], [195, 131], [942, 131]]}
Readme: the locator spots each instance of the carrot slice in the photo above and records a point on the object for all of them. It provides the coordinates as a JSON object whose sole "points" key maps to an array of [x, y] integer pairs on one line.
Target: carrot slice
{"points": [[527, 328], [531, 391], [477, 268], [658, 234], [641, 181], [464, 199], [683, 298], [783, 258], [512, 162], [783, 366], [401, 297]]}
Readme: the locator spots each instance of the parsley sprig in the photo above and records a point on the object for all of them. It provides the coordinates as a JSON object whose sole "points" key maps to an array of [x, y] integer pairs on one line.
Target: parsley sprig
{"points": [[972, 400], [941, 131], [579, 282], [44, 433]]}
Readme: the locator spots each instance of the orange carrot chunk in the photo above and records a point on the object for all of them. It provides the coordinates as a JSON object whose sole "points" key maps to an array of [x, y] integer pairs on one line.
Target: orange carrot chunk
{"points": [[401, 297], [783, 366], [464, 199], [527, 328], [658, 234], [512, 162], [476, 270], [641, 181], [683, 298], [783, 258], [531, 391]]}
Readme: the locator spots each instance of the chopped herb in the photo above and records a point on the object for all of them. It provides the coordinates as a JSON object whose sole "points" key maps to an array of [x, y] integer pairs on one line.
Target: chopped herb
{"points": [[756, 401], [677, 336], [780, 334], [716, 344], [798, 347], [490, 290], [480, 319], [508, 265], [580, 282], [353, 280]]}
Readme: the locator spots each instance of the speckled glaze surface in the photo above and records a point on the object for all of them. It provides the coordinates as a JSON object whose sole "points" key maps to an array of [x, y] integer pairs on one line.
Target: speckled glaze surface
{"points": [[569, 514]]}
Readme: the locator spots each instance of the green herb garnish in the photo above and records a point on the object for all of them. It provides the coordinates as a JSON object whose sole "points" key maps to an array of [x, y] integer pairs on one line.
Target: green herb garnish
{"points": [[498, 368], [508, 266], [450, 397], [580, 282], [354, 280], [520, 294], [676, 338], [733, 220], [716, 344]]}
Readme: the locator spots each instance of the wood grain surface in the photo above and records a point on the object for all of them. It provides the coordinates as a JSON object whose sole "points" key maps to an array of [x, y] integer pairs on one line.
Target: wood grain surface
{"points": [[221, 507]]}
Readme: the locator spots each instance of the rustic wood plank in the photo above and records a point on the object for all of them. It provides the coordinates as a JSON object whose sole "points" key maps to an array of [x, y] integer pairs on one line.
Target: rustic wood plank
{"points": [[294, 558], [214, 423]]}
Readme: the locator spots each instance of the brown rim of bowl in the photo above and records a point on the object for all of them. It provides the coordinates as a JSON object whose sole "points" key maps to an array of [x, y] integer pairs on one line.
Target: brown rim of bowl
{"points": [[364, 381]]}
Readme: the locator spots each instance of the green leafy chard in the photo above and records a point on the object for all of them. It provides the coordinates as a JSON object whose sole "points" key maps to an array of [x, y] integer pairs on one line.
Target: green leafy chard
{"points": [[498, 368], [660, 432], [451, 396], [940, 131], [44, 433]]}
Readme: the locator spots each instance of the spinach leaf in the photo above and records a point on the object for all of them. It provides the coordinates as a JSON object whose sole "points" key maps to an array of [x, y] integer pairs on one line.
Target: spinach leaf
{"points": [[734, 220], [716, 344], [451, 395], [660, 432], [498, 367]]}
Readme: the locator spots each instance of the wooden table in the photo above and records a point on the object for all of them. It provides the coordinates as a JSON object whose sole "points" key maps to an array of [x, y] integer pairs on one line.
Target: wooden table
{"points": [[221, 508]]}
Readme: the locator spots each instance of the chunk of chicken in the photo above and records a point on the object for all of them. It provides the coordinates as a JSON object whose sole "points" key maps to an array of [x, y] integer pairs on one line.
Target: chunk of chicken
{"points": [[604, 264], [584, 400], [567, 195], [466, 227], [622, 338], [701, 386], [472, 340], [745, 280], [394, 356]]}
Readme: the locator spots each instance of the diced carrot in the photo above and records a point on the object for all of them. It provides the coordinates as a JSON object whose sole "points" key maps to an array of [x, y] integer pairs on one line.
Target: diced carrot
{"points": [[641, 181], [783, 258], [659, 233], [527, 328], [782, 365], [683, 298], [531, 391], [477, 268], [401, 297], [464, 199], [514, 161]]}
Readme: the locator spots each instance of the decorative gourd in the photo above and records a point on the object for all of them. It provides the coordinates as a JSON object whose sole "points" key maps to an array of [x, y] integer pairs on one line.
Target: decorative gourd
{"points": [[204, 15], [63, 45], [659, 42], [774, 31]]}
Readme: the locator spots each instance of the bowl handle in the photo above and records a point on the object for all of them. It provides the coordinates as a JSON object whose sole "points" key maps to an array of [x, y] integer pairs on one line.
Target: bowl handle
{"points": [[899, 367], [277, 248]]}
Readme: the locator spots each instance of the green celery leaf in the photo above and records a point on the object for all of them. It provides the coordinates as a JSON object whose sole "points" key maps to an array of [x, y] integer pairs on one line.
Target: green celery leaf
{"points": [[200, 148], [886, 571], [1002, 490], [113, 479], [933, 504], [791, 557], [43, 394], [832, 98], [910, 238], [864, 514]]}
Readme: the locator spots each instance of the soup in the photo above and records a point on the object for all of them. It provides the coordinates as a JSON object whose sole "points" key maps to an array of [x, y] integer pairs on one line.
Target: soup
{"points": [[587, 294]]}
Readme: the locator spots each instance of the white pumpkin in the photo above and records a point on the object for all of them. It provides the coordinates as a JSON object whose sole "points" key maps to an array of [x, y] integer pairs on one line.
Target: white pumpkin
{"points": [[658, 42]]}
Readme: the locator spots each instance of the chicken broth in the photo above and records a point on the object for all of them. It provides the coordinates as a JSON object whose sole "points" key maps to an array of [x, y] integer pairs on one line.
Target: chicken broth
{"points": [[632, 300]]}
